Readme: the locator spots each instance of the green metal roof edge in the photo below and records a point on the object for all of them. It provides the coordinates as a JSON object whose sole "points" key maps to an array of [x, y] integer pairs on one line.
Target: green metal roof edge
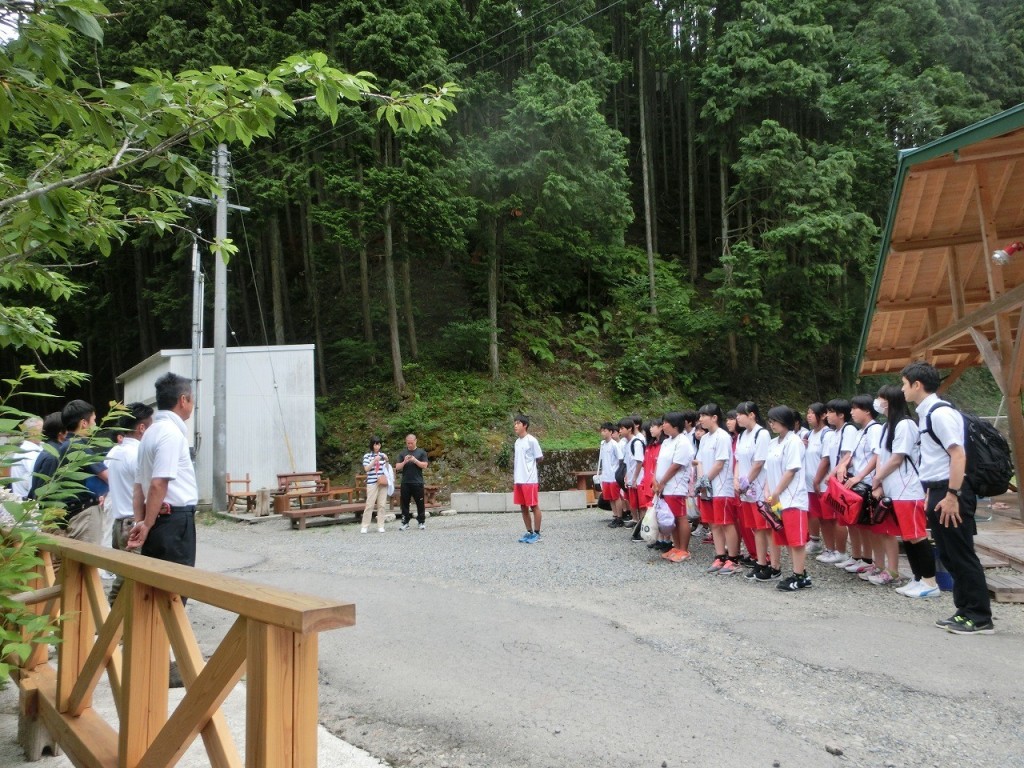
{"points": [[989, 128]]}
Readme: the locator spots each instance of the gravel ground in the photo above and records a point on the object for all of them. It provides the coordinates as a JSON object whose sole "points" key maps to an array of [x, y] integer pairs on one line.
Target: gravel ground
{"points": [[471, 649]]}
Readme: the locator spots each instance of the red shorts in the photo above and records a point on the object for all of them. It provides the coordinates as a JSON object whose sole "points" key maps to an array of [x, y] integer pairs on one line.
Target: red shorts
{"points": [[715, 511], [911, 520], [814, 505], [732, 505], [611, 491], [677, 504], [752, 518], [633, 497], [646, 496], [525, 494], [794, 528]]}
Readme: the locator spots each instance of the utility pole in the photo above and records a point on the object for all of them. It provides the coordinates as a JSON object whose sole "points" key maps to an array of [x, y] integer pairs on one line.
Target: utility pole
{"points": [[198, 291], [220, 330], [220, 340]]}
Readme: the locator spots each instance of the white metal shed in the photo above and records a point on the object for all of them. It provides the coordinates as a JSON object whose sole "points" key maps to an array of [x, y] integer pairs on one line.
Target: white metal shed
{"points": [[271, 409]]}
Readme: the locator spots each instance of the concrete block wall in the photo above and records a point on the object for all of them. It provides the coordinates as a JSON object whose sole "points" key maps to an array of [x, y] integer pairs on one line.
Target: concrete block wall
{"points": [[502, 502]]}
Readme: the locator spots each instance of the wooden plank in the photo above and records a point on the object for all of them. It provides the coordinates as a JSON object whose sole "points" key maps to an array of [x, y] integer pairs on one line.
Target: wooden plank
{"points": [[1006, 588], [88, 740], [146, 672], [76, 631], [281, 705], [1009, 300], [992, 561], [202, 701], [220, 746], [289, 610]]}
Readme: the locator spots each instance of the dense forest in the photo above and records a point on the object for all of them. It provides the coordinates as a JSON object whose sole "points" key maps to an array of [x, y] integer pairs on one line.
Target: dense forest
{"points": [[660, 198]]}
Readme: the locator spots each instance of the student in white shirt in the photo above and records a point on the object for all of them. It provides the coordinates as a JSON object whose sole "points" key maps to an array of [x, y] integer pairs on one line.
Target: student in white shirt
{"points": [[896, 479], [608, 465], [25, 459], [837, 448], [784, 467], [861, 469], [122, 463], [815, 449], [749, 482], [526, 480], [630, 428], [950, 501], [714, 456], [671, 480]]}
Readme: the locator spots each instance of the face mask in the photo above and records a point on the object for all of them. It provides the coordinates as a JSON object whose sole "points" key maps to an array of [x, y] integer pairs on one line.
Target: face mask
{"points": [[880, 405]]}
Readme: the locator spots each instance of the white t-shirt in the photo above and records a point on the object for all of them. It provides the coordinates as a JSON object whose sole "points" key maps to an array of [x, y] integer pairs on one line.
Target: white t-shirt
{"points": [[122, 463], [21, 469], [784, 455], [844, 441], [163, 452], [902, 484], [714, 447], [675, 450], [634, 457], [611, 456], [864, 450], [752, 447], [948, 427], [816, 444], [527, 452]]}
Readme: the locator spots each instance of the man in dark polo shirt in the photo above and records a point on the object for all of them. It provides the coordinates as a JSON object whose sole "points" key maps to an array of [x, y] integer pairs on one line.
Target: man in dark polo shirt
{"points": [[411, 463]]}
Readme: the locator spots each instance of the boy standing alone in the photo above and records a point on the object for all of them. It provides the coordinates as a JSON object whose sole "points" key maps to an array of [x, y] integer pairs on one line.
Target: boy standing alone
{"points": [[524, 478]]}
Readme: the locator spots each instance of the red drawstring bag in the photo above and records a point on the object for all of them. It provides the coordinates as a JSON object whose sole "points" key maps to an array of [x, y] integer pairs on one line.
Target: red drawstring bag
{"points": [[846, 503]]}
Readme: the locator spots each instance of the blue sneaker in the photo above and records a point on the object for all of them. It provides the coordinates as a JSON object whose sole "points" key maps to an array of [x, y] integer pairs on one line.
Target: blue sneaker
{"points": [[536, 537], [525, 538]]}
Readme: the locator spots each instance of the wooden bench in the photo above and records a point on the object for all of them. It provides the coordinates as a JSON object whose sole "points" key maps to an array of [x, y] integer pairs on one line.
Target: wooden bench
{"points": [[291, 486], [327, 509]]}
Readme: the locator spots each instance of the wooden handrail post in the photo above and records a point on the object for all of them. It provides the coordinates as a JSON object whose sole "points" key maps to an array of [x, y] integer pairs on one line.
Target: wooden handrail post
{"points": [[145, 673], [281, 698], [77, 631]]}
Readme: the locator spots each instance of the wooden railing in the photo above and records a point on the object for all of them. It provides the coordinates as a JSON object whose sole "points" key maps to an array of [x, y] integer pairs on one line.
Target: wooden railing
{"points": [[273, 642]]}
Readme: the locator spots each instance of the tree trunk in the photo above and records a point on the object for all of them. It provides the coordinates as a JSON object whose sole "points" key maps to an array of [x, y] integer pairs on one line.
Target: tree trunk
{"points": [[389, 282], [277, 278], [364, 273], [312, 296], [723, 194], [410, 321], [648, 202], [691, 177], [491, 244], [141, 305]]}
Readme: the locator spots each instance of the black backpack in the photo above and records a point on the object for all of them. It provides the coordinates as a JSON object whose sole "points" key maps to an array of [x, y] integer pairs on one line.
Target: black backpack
{"points": [[989, 466]]}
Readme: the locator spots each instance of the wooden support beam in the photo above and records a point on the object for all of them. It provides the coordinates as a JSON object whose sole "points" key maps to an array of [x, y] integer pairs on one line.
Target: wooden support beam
{"points": [[1008, 301], [989, 355], [146, 672], [957, 372], [1016, 419], [948, 241], [102, 651], [282, 707], [220, 746], [201, 702], [971, 298], [77, 631]]}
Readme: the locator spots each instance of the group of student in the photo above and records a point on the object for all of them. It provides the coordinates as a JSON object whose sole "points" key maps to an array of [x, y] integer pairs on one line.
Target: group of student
{"points": [[733, 472]]}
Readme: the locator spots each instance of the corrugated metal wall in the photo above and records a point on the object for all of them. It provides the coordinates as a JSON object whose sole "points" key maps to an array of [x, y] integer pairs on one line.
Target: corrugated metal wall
{"points": [[271, 420]]}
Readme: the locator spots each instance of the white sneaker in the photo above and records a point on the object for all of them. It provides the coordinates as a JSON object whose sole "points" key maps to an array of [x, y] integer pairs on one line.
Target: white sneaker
{"points": [[908, 587], [826, 556], [847, 560], [423, 526], [923, 590], [362, 530], [381, 529], [107, 575], [869, 573], [858, 566], [814, 546]]}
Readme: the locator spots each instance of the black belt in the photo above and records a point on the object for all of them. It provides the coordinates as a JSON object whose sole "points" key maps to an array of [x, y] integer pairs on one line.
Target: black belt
{"points": [[929, 484], [167, 509]]}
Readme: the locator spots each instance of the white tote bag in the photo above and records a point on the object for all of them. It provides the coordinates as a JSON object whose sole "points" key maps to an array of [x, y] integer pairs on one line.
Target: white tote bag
{"points": [[389, 473], [649, 526]]}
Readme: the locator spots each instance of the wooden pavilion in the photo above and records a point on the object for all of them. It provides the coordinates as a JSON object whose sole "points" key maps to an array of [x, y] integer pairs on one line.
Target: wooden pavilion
{"points": [[938, 293]]}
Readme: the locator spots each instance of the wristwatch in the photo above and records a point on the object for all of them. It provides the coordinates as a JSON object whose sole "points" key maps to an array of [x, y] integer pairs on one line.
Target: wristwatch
{"points": [[955, 491]]}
